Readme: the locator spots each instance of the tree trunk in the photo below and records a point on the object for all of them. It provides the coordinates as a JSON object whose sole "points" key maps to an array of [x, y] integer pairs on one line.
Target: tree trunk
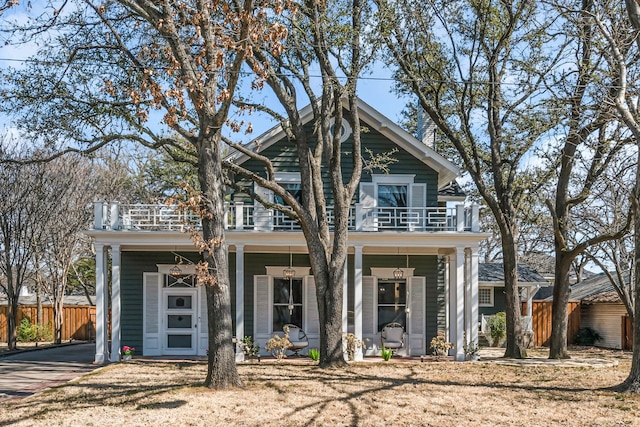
{"points": [[559, 316], [515, 340], [221, 367], [58, 319], [632, 383]]}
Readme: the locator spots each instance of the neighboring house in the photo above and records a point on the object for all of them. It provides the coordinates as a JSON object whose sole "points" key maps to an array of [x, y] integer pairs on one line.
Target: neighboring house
{"points": [[491, 290], [413, 258], [602, 310]]}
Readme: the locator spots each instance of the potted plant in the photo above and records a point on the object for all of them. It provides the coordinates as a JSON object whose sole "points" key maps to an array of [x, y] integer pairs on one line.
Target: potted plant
{"points": [[127, 353], [440, 345], [353, 343], [250, 348]]}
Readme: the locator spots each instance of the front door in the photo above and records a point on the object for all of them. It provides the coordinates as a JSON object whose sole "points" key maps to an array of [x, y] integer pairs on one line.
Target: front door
{"points": [[180, 321]]}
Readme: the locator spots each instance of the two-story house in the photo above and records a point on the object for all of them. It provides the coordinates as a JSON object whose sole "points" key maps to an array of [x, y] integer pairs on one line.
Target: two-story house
{"points": [[413, 259]]}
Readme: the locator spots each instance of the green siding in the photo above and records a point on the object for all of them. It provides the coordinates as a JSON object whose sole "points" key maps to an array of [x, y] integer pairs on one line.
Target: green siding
{"points": [[133, 265], [499, 303], [425, 266], [284, 158], [254, 265]]}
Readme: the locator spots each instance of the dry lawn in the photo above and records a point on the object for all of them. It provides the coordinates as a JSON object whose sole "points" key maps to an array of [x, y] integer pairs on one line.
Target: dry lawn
{"points": [[144, 393]]}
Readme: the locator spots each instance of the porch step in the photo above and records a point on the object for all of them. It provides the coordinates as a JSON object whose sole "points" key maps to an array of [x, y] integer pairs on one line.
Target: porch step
{"points": [[482, 340]]}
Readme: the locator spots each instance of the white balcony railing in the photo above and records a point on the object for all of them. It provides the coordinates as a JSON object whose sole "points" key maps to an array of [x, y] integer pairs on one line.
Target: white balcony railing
{"points": [[239, 216]]}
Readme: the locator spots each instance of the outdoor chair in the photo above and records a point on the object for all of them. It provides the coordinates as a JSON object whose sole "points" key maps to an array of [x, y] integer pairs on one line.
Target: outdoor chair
{"points": [[297, 338], [392, 336]]}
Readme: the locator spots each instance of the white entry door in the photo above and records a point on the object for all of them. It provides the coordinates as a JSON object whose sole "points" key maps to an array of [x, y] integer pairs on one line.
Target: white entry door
{"points": [[180, 321]]}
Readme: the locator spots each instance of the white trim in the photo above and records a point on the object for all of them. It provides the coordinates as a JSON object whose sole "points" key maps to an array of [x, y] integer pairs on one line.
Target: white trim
{"points": [[401, 179], [387, 273], [288, 177], [185, 268], [165, 331], [101, 355], [492, 292], [277, 271], [239, 300], [115, 303]]}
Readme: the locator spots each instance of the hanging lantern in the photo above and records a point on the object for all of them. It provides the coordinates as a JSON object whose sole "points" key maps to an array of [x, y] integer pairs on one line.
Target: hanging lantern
{"points": [[398, 273], [175, 271]]}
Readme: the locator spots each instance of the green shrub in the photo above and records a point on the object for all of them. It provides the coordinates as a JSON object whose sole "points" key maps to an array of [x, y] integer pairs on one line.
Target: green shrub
{"points": [[28, 332], [498, 328], [314, 354], [587, 336], [386, 354]]}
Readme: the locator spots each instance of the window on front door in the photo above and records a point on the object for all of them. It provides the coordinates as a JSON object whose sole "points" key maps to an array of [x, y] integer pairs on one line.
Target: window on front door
{"points": [[281, 310], [392, 302]]}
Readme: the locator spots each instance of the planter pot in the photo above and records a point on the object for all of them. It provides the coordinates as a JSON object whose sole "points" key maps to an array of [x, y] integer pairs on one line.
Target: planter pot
{"points": [[126, 358]]}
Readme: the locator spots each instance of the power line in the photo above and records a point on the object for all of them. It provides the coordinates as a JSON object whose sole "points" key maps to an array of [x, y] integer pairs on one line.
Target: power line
{"points": [[360, 78]]}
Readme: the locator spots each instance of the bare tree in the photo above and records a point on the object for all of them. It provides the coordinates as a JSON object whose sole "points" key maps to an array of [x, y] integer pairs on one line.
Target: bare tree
{"points": [[68, 190], [621, 37], [332, 37], [105, 71], [21, 217], [478, 69]]}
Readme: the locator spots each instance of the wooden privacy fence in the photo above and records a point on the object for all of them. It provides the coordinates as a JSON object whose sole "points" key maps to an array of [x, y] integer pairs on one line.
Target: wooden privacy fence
{"points": [[541, 321], [79, 321]]}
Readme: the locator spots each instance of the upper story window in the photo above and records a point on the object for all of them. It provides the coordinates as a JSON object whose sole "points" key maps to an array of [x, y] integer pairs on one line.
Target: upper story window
{"points": [[393, 202], [392, 195]]}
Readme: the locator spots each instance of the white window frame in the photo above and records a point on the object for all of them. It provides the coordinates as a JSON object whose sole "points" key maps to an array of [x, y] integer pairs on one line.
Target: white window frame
{"points": [[492, 291]]}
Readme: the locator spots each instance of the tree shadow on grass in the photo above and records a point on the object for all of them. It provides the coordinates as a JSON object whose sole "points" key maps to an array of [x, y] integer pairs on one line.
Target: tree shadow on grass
{"points": [[339, 380]]}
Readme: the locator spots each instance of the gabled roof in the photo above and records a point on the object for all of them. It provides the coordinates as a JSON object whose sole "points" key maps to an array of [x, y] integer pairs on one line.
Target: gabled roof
{"points": [[493, 273], [595, 289], [447, 171], [452, 192]]}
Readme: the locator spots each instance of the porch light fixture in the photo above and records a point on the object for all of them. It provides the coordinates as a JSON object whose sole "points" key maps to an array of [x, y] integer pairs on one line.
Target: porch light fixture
{"points": [[175, 271], [398, 273]]}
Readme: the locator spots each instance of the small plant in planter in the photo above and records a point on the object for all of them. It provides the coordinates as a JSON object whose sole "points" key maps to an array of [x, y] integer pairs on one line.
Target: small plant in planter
{"points": [[314, 354], [353, 344], [127, 352], [249, 348], [440, 345], [278, 345], [471, 349], [386, 353]]}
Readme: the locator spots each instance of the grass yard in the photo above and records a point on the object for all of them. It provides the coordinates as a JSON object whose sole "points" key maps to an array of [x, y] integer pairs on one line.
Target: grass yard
{"points": [[144, 393]]}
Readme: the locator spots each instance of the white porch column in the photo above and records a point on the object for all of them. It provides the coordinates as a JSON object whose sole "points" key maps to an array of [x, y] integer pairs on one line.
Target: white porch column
{"points": [[345, 298], [115, 303], [357, 298], [473, 275], [101, 313], [456, 303], [239, 300]]}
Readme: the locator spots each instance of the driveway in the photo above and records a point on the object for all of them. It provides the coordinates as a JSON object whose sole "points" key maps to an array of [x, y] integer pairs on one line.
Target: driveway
{"points": [[23, 374]]}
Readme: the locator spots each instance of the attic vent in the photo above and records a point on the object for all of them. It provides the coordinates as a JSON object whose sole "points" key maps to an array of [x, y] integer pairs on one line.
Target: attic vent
{"points": [[345, 129]]}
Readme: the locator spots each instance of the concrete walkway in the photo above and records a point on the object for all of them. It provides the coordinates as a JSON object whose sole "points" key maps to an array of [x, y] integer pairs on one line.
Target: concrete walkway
{"points": [[25, 373]]}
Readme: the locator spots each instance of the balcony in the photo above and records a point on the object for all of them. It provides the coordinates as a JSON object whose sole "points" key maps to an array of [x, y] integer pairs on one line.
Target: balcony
{"points": [[241, 217]]}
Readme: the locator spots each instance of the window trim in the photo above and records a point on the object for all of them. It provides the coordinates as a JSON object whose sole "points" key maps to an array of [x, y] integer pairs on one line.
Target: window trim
{"points": [[492, 291]]}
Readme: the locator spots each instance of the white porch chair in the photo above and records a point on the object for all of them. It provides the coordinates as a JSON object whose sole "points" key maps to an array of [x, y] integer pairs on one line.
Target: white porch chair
{"points": [[392, 336]]}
